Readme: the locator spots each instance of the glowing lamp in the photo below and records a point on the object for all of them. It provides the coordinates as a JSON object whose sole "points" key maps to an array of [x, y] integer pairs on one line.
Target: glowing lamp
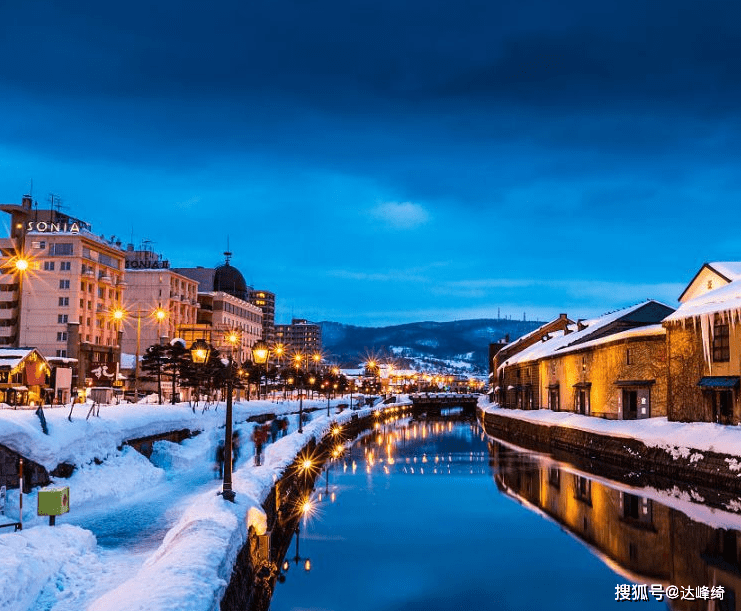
{"points": [[200, 351]]}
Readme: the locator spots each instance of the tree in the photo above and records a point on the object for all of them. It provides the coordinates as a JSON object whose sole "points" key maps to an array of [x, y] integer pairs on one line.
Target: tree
{"points": [[153, 362]]}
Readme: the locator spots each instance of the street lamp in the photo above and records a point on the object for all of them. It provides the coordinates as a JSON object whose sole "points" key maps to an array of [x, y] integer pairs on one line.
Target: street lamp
{"points": [[199, 353], [260, 353], [279, 350], [119, 315], [297, 358]]}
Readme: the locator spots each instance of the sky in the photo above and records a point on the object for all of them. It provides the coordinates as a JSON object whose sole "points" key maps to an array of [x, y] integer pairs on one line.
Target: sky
{"points": [[386, 162]]}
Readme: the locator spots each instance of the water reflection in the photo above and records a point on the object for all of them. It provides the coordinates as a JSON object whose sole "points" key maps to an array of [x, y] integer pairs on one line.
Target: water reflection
{"points": [[647, 535]]}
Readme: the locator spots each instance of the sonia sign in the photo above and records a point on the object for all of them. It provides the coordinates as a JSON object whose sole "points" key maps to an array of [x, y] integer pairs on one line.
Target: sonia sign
{"points": [[44, 227]]}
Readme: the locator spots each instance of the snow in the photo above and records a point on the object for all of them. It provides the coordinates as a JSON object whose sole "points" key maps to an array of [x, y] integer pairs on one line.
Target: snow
{"points": [[559, 341], [681, 439], [188, 565], [724, 302]]}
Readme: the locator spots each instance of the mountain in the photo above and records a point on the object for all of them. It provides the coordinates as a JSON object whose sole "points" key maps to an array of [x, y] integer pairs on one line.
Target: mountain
{"points": [[460, 346]]}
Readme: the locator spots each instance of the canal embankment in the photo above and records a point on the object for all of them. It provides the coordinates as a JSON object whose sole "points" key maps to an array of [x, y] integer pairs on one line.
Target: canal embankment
{"points": [[699, 453]]}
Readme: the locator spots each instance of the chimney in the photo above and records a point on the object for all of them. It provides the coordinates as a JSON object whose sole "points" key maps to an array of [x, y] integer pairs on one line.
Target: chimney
{"points": [[26, 202]]}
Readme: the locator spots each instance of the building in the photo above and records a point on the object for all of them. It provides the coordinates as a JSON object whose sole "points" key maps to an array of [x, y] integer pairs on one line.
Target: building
{"points": [[265, 300], [223, 310], [704, 344], [301, 336], [25, 377], [62, 302], [158, 300], [614, 366]]}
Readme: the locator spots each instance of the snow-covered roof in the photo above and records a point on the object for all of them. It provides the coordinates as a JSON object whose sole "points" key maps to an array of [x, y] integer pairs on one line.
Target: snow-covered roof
{"points": [[539, 332], [726, 299], [729, 269], [12, 357], [559, 341]]}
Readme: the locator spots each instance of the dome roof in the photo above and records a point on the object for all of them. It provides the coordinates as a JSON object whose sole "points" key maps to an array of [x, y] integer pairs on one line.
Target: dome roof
{"points": [[229, 279]]}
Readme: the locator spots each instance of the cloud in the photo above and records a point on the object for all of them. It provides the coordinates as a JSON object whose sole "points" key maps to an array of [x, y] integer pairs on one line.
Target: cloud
{"points": [[404, 215]]}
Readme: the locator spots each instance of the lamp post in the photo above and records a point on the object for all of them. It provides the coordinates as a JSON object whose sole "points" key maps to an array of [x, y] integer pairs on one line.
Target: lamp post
{"points": [[21, 266], [199, 352], [260, 354], [297, 358], [119, 315], [279, 350]]}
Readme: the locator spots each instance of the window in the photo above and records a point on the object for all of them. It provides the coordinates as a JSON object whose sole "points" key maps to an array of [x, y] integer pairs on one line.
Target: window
{"points": [[583, 489], [101, 293], [40, 245], [82, 303], [48, 266], [62, 318], [65, 266], [721, 343], [60, 248], [64, 301], [628, 357], [64, 284], [61, 336], [62, 353]]}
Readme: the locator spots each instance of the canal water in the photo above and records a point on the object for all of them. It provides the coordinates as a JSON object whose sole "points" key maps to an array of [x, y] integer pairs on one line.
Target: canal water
{"points": [[434, 515]]}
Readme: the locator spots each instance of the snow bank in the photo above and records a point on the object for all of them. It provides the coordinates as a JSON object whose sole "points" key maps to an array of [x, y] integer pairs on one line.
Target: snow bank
{"points": [[33, 556], [83, 440], [678, 438], [192, 567]]}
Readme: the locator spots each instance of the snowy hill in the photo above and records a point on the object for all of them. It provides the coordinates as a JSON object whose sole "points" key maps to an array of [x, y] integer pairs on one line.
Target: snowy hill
{"points": [[460, 346]]}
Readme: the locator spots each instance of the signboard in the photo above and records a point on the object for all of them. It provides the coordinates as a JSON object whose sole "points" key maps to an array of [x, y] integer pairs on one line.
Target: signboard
{"points": [[53, 501], [44, 227], [154, 264], [35, 373], [102, 373], [63, 378]]}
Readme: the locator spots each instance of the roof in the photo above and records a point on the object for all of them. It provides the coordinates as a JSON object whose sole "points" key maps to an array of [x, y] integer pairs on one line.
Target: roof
{"points": [[728, 270], [561, 343], [12, 357], [726, 299]]}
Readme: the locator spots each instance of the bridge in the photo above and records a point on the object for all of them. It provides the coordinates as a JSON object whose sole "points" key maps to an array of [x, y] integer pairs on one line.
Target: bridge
{"points": [[435, 402]]}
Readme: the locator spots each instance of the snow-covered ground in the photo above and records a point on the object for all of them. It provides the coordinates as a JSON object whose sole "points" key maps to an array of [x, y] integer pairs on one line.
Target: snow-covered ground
{"points": [[681, 439], [141, 534]]}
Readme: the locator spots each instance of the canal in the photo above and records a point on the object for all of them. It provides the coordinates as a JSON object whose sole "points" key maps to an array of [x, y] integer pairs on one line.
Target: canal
{"points": [[435, 515]]}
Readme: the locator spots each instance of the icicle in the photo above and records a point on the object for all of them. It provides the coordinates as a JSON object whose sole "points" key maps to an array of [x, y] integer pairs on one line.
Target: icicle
{"points": [[706, 325]]}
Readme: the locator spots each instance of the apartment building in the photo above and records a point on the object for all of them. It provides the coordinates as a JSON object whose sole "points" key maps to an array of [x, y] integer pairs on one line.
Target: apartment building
{"points": [[62, 302], [159, 300]]}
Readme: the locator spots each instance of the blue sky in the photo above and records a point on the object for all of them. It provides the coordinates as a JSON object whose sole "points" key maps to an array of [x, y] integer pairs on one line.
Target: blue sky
{"points": [[386, 162]]}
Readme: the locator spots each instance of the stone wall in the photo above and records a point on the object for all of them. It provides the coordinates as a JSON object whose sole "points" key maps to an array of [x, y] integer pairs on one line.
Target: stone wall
{"points": [[33, 473], [705, 469]]}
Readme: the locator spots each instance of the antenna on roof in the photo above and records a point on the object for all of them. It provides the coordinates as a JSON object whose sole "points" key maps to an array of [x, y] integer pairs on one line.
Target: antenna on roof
{"points": [[227, 252]]}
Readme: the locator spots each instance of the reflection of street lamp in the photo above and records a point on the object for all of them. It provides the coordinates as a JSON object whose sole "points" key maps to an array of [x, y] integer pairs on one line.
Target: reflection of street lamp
{"points": [[199, 353], [261, 353]]}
